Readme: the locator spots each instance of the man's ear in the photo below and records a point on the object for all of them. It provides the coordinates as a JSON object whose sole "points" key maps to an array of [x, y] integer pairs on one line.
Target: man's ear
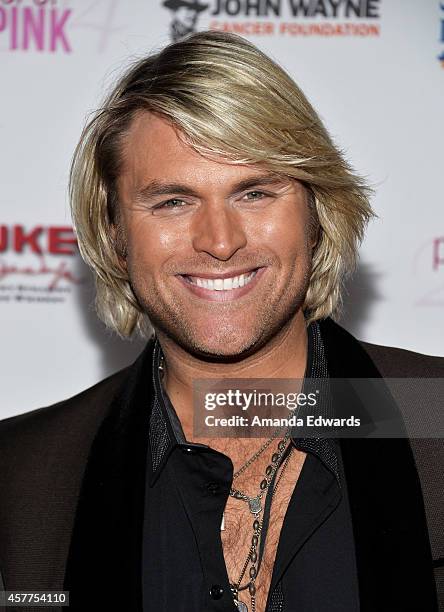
{"points": [[314, 226], [315, 234], [119, 242]]}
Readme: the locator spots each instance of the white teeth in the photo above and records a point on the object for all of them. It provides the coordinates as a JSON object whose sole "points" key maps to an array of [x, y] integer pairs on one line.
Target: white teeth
{"points": [[222, 284]]}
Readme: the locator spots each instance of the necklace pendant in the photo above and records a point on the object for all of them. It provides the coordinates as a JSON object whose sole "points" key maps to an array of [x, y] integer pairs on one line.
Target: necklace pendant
{"points": [[240, 605], [255, 505]]}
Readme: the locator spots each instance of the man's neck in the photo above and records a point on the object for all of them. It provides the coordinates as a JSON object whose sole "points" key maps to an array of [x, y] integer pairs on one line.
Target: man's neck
{"points": [[284, 356]]}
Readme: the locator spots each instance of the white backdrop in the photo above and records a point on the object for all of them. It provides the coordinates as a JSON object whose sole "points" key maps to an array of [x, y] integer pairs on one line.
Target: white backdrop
{"points": [[374, 69]]}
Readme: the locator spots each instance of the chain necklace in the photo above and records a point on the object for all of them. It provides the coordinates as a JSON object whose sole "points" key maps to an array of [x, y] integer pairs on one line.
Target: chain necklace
{"points": [[244, 467], [255, 503], [256, 455], [259, 537]]}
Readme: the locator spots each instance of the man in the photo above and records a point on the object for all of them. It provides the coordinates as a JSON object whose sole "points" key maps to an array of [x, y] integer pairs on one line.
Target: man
{"points": [[212, 205]]}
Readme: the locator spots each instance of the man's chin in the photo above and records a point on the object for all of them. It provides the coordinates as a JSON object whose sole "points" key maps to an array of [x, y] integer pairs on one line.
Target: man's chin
{"points": [[222, 348]]}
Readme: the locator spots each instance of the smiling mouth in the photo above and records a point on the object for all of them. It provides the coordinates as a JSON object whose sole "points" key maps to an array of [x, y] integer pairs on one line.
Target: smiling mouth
{"points": [[223, 288], [221, 284]]}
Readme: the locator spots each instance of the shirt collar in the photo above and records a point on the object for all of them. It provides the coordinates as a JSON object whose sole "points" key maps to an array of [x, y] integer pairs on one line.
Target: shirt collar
{"points": [[166, 433]]}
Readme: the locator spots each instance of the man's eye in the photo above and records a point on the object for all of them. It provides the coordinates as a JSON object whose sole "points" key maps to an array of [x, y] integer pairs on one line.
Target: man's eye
{"points": [[173, 203], [255, 195]]}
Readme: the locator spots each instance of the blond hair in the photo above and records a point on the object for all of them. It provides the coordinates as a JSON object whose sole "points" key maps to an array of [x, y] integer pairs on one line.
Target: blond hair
{"points": [[229, 100]]}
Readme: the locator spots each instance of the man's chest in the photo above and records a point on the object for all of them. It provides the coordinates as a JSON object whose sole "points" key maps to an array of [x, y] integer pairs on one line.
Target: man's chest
{"points": [[250, 552]]}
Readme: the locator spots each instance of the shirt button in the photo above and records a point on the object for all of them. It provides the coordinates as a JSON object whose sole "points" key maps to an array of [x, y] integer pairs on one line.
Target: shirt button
{"points": [[216, 591], [213, 487], [189, 451]]}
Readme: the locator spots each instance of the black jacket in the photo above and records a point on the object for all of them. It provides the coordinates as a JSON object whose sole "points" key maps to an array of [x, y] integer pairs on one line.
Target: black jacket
{"points": [[72, 484]]}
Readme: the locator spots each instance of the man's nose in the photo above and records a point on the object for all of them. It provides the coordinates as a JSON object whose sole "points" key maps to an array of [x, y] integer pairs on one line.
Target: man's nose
{"points": [[218, 230]]}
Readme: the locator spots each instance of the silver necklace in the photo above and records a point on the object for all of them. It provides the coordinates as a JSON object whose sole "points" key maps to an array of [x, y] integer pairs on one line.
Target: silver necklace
{"points": [[259, 536], [255, 503]]}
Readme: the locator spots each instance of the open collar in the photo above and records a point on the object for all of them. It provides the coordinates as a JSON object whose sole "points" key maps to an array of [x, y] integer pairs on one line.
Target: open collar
{"points": [[165, 432]]}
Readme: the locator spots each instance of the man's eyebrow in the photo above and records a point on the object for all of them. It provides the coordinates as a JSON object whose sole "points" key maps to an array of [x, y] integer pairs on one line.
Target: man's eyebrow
{"points": [[260, 181], [157, 188]]}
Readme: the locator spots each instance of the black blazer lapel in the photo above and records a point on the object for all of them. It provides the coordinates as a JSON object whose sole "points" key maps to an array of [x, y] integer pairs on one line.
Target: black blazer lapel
{"points": [[393, 554], [104, 564]]}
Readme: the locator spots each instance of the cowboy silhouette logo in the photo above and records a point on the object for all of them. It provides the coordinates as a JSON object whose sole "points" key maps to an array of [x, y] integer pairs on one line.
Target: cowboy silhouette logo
{"points": [[185, 15]]}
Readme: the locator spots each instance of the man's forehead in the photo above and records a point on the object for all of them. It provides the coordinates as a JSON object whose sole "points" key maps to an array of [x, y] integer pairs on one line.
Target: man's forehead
{"points": [[150, 128], [156, 152]]}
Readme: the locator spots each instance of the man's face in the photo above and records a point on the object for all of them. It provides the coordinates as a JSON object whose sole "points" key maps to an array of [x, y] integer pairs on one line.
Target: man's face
{"points": [[218, 254]]}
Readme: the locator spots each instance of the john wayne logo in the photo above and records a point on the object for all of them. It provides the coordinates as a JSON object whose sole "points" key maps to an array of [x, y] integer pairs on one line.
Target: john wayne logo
{"points": [[185, 15]]}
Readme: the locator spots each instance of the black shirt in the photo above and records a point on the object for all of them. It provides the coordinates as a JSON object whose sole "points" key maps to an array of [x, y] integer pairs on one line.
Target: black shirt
{"points": [[183, 567]]}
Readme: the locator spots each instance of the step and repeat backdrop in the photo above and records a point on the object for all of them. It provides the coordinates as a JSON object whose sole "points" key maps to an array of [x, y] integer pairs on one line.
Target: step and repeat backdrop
{"points": [[374, 70]]}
